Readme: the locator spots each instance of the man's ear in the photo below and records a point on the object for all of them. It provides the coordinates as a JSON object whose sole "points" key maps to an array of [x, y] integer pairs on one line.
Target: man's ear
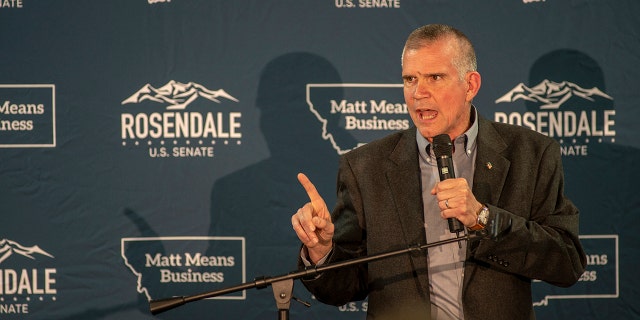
{"points": [[473, 84]]}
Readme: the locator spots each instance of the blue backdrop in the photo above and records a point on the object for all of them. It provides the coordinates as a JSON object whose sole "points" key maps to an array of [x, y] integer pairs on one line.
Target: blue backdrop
{"points": [[149, 148]]}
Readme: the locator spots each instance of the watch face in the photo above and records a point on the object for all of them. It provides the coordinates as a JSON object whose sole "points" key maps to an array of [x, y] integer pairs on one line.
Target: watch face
{"points": [[483, 217]]}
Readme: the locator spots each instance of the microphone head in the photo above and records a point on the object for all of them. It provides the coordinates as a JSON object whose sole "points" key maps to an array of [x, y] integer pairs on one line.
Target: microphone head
{"points": [[442, 145]]}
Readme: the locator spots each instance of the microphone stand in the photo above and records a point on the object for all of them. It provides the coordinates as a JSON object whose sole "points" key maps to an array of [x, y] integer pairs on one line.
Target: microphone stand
{"points": [[282, 285]]}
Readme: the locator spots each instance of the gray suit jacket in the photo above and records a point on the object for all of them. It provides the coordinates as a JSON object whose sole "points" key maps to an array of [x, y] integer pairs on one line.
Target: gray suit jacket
{"points": [[518, 175]]}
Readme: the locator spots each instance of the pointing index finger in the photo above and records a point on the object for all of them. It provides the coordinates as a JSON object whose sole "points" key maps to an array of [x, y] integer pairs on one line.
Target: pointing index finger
{"points": [[317, 203], [308, 187]]}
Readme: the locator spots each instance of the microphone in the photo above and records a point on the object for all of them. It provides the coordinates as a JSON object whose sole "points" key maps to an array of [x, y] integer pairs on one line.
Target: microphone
{"points": [[443, 150]]}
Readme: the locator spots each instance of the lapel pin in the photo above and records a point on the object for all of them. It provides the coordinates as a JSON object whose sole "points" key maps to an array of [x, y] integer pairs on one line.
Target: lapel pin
{"points": [[489, 165]]}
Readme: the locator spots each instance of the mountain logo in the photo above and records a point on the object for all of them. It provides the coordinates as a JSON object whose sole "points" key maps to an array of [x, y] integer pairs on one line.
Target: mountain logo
{"points": [[551, 94], [178, 95], [8, 248]]}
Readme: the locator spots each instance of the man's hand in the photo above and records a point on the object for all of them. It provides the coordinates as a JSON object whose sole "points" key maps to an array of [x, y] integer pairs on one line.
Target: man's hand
{"points": [[456, 200], [312, 222]]}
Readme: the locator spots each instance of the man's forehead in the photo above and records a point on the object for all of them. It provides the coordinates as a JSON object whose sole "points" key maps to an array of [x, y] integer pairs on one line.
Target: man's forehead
{"points": [[425, 62]]}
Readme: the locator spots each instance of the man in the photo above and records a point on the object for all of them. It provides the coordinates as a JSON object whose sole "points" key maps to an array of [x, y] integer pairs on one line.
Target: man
{"points": [[390, 197]]}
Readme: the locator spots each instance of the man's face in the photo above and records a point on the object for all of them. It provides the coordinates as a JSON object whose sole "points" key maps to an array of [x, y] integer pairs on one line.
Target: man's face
{"points": [[437, 99]]}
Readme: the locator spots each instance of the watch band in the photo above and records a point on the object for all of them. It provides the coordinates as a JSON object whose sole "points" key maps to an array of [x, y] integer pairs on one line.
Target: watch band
{"points": [[481, 219], [476, 227]]}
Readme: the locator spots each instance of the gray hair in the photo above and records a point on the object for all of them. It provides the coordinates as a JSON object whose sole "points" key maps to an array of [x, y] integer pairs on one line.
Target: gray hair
{"points": [[465, 61]]}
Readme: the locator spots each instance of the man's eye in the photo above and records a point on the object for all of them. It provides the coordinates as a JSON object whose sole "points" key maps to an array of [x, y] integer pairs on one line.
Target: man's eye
{"points": [[409, 80], [436, 77]]}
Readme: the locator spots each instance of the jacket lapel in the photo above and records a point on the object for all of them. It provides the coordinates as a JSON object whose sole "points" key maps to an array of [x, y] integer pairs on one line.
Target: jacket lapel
{"points": [[491, 167], [403, 176]]}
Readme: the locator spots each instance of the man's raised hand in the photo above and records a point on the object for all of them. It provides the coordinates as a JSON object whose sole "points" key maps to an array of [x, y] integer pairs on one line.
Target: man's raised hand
{"points": [[312, 223]]}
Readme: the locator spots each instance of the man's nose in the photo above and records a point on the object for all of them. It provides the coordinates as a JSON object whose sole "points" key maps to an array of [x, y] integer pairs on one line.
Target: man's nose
{"points": [[421, 90]]}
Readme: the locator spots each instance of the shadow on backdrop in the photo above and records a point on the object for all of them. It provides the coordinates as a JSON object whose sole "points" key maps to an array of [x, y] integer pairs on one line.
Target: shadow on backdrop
{"points": [[601, 182], [257, 202]]}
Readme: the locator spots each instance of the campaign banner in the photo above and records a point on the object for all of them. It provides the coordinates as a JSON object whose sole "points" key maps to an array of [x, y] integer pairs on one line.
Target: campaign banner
{"points": [[150, 148]]}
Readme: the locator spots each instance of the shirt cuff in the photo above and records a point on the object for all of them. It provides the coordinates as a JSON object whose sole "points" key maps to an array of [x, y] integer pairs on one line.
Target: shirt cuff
{"points": [[304, 255]]}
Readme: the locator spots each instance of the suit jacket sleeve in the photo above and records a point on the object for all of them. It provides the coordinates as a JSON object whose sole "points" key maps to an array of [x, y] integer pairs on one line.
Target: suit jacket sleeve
{"points": [[345, 284], [379, 209], [526, 186]]}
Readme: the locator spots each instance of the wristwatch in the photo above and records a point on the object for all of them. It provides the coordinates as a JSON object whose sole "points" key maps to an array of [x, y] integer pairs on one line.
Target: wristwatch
{"points": [[482, 220]]}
